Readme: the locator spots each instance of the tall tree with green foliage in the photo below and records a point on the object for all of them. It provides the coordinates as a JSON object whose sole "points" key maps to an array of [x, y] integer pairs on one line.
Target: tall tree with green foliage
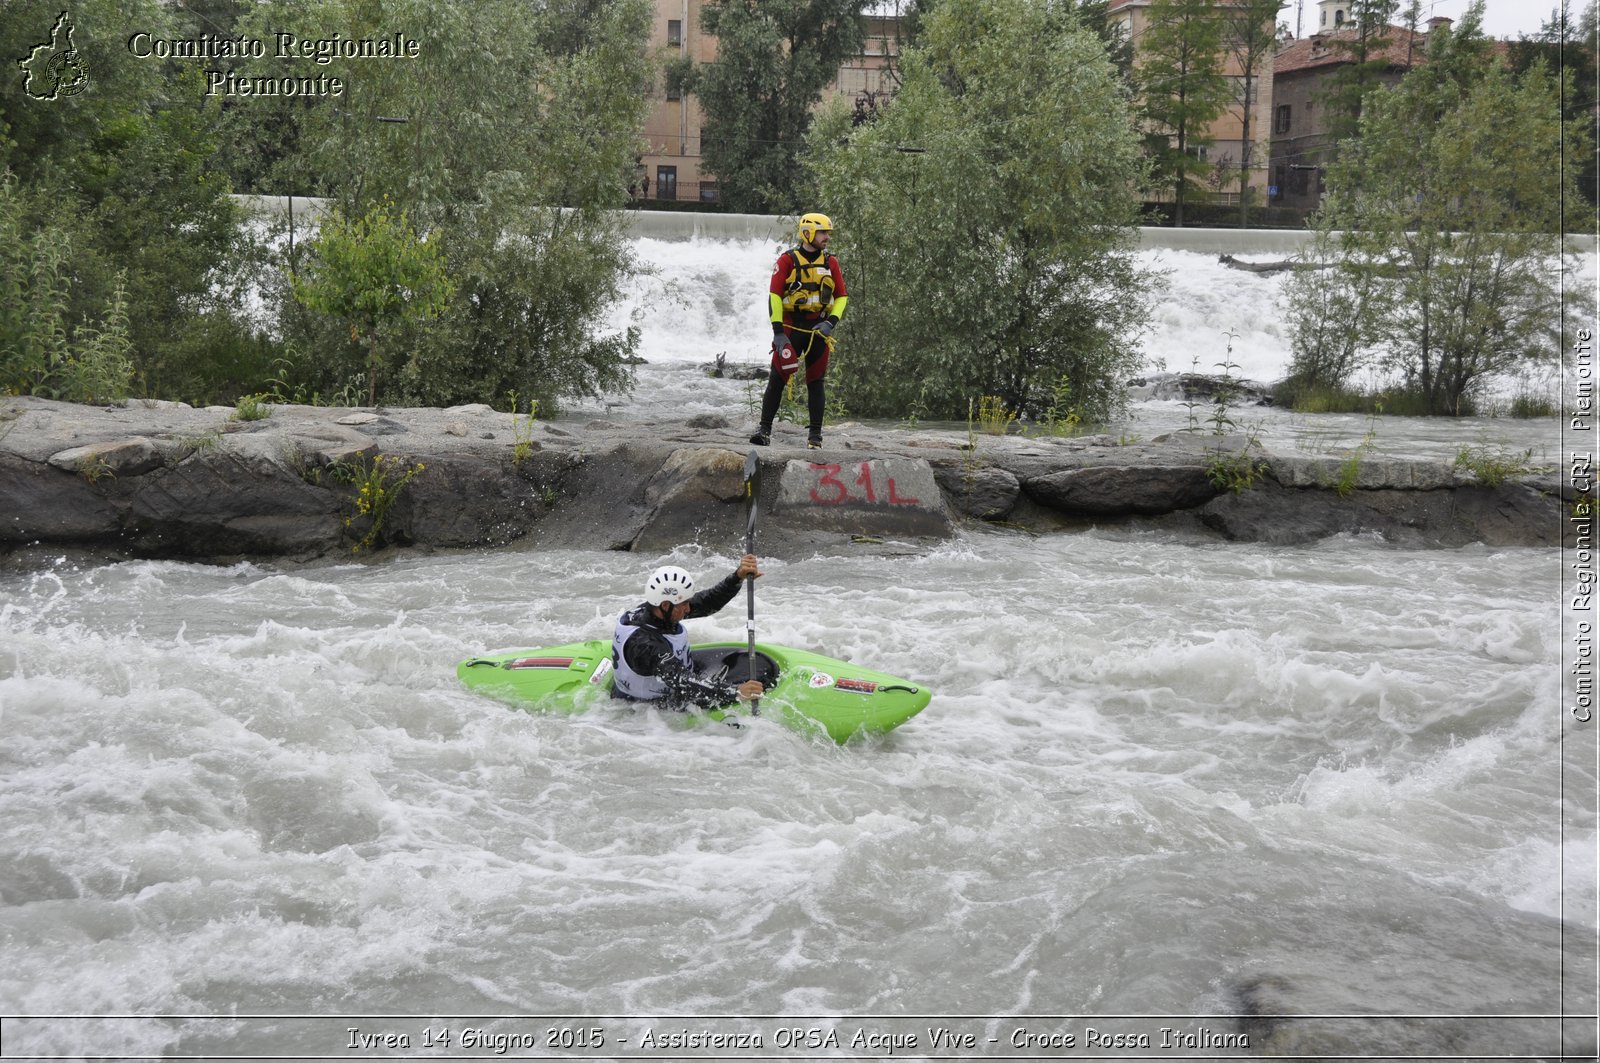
{"points": [[124, 170], [1250, 35], [1093, 14], [774, 58], [997, 257], [1182, 88], [1365, 43], [260, 134], [1415, 36], [511, 139], [1447, 207], [1569, 41]]}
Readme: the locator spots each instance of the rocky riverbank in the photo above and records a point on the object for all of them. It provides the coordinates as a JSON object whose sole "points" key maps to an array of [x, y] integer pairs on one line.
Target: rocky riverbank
{"points": [[157, 479]]}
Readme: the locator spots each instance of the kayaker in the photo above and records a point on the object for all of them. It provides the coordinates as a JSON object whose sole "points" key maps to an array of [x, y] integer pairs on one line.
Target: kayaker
{"points": [[805, 300], [650, 648]]}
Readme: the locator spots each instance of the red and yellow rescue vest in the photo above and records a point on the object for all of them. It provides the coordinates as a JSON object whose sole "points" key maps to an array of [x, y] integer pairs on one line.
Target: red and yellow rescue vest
{"points": [[808, 289]]}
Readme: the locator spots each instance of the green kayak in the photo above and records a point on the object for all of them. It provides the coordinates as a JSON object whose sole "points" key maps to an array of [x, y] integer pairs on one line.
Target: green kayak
{"points": [[805, 691]]}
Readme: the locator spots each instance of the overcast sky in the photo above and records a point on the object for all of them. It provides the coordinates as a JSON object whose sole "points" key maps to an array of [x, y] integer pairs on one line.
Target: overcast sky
{"points": [[1504, 19], [1508, 19]]}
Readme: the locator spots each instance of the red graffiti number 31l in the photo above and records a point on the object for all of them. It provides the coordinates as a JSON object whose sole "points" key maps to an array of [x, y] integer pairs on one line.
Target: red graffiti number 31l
{"points": [[831, 490]]}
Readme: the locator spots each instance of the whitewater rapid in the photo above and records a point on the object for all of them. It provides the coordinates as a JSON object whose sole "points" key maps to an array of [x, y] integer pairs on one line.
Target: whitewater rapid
{"points": [[1156, 772]]}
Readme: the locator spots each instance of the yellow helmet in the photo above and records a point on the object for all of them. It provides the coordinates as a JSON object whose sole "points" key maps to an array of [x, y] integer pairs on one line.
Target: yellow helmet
{"points": [[811, 224]]}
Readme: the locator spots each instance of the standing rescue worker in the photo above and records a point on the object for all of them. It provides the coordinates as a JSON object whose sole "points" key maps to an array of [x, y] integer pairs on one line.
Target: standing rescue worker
{"points": [[805, 300]]}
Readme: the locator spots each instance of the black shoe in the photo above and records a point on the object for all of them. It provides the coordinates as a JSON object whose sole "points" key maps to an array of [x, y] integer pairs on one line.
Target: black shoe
{"points": [[761, 438], [814, 442]]}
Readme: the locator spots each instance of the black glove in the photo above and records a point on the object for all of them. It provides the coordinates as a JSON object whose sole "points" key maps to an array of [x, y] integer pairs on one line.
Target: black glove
{"points": [[826, 328]]}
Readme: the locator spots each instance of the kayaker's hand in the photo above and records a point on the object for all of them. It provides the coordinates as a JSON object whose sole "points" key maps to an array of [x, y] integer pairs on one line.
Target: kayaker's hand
{"points": [[750, 688], [747, 568]]}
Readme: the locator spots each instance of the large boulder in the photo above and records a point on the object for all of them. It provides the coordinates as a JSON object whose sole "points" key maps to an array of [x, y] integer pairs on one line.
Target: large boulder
{"points": [[224, 502], [457, 500], [122, 457], [1509, 514], [38, 502], [1362, 473], [873, 497], [984, 492], [697, 495], [1115, 490]]}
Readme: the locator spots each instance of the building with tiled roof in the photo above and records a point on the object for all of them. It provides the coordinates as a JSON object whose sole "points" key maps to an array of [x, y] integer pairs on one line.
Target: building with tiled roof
{"points": [[1302, 144]]}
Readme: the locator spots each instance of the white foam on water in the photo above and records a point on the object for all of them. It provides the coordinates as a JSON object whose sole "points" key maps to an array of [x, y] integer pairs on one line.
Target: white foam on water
{"points": [[1150, 769]]}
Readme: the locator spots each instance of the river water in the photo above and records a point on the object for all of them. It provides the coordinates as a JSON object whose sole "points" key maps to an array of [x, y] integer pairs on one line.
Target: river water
{"points": [[1157, 776]]}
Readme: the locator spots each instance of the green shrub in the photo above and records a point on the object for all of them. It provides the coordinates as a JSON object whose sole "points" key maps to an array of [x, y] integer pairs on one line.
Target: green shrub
{"points": [[1493, 467]]}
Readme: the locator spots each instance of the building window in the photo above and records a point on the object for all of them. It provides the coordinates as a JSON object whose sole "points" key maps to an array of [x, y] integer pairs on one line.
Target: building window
{"points": [[708, 191], [666, 182], [1280, 121], [673, 91], [1338, 18], [674, 33]]}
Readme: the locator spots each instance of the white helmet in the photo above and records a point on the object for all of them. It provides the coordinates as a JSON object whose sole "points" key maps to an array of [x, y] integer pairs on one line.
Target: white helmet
{"points": [[669, 584]]}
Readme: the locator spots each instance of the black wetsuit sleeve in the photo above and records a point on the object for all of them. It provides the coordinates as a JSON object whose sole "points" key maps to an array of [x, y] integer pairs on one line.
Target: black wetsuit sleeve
{"points": [[713, 599]]}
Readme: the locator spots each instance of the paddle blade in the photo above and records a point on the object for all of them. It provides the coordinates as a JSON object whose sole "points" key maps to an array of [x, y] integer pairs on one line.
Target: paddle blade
{"points": [[750, 486]]}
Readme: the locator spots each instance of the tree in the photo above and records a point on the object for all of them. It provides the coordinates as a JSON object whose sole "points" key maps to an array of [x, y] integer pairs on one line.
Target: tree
{"points": [[1365, 45], [1093, 14], [1250, 35], [510, 139], [906, 19], [774, 57], [1565, 42], [1332, 312], [1412, 21], [373, 272], [262, 136], [1448, 206], [48, 346], [996, 258], [1183, 90], [124, 169]]}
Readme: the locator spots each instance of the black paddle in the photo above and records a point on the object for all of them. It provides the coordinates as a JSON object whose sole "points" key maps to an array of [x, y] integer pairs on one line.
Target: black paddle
{"points": [[750, 488]]}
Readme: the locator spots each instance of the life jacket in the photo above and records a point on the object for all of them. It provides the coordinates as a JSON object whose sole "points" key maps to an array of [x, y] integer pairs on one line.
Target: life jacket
{"points": [[808, 289], [631, 684]]}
